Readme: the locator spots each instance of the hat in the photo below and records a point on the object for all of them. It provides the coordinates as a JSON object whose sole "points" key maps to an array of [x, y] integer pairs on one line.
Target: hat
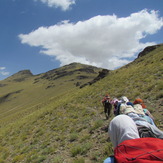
{"points": [[124, 99], [114, 101], [139, 101], [107, 95]]}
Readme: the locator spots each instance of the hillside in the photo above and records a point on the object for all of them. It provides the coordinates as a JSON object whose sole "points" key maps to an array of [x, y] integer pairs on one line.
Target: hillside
{"points": [[64, 124], [23, 92]]}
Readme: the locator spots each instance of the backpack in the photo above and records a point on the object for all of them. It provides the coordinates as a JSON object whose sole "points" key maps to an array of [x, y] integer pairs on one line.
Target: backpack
{"points": [[140, 150], [117, 109], [107, 103], [145, 132]]}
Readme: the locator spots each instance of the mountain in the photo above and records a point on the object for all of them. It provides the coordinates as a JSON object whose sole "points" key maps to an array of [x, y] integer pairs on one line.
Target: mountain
{"points": [[23, 91], [20, 76], [57, 116]]}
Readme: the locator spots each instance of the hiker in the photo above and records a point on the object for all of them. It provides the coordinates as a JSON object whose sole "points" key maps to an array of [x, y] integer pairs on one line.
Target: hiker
{"points": [[134, 113], [148, 116], [121, 128], [124, 101], [115, 102], [125, 106], [124, 136], [107, 105]]}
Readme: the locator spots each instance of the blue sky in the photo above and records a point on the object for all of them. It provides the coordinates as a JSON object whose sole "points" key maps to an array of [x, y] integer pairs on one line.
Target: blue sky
{"points": [[41, 35]]}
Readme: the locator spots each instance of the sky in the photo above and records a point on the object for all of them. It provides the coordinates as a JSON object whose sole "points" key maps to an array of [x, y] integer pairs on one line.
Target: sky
{"points": [[41, 35]]}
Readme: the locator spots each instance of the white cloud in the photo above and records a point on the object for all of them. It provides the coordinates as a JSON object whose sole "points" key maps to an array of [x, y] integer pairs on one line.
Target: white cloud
{"points": [[63, 4], [2, 68], [3, 72], [103, 41]]}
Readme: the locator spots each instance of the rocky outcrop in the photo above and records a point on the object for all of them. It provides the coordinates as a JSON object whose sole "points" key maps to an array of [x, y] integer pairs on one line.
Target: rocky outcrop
{"points": [[6, 97], [3, 85], [101, 75], [68, 70], [148, 49]]}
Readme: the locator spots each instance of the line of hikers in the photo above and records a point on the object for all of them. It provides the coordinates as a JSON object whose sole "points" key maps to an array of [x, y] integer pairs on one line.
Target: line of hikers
{"points": [[131, 128]]}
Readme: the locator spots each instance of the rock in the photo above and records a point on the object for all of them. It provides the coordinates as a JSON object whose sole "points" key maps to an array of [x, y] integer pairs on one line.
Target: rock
{"points": [[100, 76], [147, 50]]}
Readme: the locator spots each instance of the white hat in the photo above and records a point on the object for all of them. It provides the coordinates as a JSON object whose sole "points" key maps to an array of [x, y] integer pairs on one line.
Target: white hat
{"points": [[124, 99]]}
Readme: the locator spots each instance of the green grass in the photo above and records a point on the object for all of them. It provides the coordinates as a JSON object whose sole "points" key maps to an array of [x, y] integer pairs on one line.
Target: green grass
{"points": [[63, 123]]}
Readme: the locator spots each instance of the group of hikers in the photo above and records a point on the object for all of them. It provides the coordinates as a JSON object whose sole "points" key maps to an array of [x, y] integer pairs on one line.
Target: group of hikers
{"points": [[133, 133]]}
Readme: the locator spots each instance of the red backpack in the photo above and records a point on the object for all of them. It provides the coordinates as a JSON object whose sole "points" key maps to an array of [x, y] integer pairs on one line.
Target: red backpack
{"points": [[141, 150]]}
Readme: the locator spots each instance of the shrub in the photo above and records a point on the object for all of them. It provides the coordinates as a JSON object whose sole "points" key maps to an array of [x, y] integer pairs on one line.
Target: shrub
{"points": [[80, 149], [96, 125], [2, 161], [84, 138], [47, 151], [73, 137], [18, 158], [95, 156], [40, 159], [79, 160], [108, 149], [57, 159], [159, 95]]}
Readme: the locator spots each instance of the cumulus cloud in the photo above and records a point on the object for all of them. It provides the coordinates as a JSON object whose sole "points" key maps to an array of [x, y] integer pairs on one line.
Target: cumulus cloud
{"points": [[103, 41], [63, 4], [3, 72]]}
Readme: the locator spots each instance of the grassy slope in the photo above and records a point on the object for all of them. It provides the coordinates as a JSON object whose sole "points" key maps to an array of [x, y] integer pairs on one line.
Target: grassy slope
{"points": [[67, 128], [30, 94]]}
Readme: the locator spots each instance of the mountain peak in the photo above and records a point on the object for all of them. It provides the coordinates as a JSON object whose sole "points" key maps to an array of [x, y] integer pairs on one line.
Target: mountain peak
{"points": [[20, 76], [24, 72]]}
